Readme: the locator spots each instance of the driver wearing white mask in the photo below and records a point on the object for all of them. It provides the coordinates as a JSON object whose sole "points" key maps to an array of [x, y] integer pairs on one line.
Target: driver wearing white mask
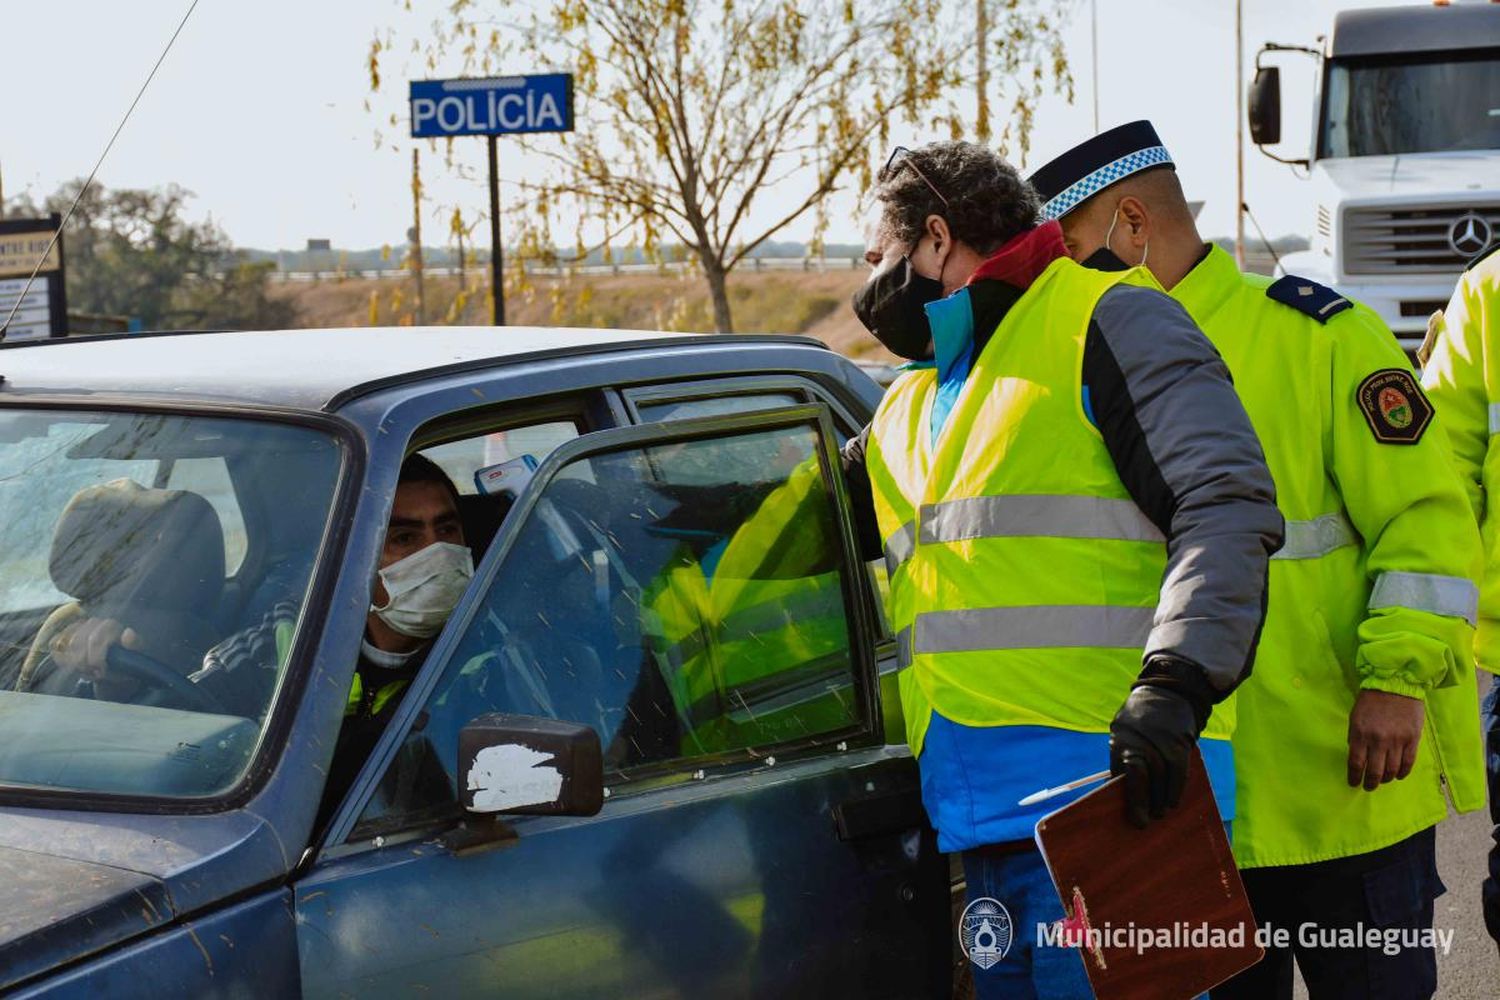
{"points": [[424, 569]]}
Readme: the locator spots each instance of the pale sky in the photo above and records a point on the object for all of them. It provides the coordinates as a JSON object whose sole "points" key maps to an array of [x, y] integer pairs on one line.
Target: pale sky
{"points": [[259, 109]]}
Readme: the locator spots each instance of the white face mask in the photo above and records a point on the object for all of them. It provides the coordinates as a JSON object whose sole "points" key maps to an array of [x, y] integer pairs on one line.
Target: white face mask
{"points": [[424, 588]]}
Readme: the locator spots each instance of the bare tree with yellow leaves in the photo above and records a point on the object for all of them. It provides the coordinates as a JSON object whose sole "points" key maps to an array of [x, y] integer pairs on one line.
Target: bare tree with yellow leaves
{"points": [[712, 126]]}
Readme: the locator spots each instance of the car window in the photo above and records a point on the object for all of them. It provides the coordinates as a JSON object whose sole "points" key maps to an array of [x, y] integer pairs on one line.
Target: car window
{"points": [[209, 478], [720, 405], [37, 479], [462, 459], [117, 526], [688, 603]]}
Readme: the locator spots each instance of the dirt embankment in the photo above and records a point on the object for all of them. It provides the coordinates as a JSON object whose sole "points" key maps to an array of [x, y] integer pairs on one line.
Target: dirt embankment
{"points": [[813, 303]]}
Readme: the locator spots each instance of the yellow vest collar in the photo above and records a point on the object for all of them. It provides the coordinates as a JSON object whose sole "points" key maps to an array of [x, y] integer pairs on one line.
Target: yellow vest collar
{"points": [[1207, 287]]}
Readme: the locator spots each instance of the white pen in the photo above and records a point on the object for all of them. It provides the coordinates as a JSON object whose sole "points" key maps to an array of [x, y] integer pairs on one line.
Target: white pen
{"points": [[1047, 793]]}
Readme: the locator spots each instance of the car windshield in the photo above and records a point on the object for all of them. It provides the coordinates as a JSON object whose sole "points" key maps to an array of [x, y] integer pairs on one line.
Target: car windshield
{"points": [[153, 569], [1385, 106]]}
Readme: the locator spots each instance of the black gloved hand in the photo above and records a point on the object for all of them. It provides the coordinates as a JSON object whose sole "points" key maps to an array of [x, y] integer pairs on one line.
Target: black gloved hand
{"points": [[1151, 742]]}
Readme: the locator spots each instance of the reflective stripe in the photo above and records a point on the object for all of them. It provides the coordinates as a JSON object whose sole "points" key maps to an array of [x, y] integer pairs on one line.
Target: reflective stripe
{"points": [[899, 547], [1316, 538], [1054, 626], [767, 617], [1453, 596], [1036, 515], [903, 648], [1495, 418], [283, 642]]}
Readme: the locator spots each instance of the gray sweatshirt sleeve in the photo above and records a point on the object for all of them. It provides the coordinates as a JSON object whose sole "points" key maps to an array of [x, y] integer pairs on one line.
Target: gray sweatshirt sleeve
{"points": [[1185, 449]]}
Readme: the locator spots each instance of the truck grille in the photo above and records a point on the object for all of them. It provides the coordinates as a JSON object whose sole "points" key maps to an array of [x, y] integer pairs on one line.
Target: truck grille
{"points": [[1408, 240]]}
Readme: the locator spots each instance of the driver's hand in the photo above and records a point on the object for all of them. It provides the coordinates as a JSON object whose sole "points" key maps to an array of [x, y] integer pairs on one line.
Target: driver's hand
{"points": [[83, 646]]}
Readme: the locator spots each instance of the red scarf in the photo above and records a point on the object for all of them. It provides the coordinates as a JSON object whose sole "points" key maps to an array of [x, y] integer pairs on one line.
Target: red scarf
{"points": [[1024, 257]]}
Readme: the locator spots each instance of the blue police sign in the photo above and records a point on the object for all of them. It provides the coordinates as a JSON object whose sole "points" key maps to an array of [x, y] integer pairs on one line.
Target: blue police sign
{"points": [[492, 106]]}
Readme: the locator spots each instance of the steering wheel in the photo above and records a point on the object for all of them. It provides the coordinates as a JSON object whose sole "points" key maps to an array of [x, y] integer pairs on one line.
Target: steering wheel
{"points": [[155, 674]]}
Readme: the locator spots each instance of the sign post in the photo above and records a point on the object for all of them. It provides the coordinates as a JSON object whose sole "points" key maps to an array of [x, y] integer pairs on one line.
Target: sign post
{"points": [[497, 265], [494, 106], [40, 310]]}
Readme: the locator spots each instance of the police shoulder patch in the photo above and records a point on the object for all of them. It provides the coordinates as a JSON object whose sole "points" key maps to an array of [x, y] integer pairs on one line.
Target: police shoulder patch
{"points": [[1394, 406], [1318, 301], [1481, 255]]}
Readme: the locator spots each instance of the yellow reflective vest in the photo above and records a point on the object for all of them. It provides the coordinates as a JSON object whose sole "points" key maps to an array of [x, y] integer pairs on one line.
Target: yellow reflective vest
{"points": [[1373, 587], [1023, 577], [755, 649], [380, 697], [1463, 377]]}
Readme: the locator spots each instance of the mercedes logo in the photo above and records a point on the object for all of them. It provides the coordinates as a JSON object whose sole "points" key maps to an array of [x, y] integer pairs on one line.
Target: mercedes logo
{"points": [[1469, 234]]}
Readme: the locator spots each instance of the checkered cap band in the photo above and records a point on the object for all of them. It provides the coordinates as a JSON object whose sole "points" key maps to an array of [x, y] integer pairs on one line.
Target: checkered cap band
{"points": [[1102, 178]]}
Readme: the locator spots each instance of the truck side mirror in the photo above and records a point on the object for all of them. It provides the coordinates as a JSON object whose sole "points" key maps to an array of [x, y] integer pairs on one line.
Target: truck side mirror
{"points": [[522, 764], [1264, 109]]}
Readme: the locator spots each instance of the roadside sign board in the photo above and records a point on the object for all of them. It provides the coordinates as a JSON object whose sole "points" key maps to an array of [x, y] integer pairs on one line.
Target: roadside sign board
{"points": [[502, 105], [43, 311]]}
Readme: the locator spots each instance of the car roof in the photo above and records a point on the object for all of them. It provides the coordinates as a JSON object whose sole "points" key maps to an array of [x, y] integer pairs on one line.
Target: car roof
{"points": [[298, 368]]}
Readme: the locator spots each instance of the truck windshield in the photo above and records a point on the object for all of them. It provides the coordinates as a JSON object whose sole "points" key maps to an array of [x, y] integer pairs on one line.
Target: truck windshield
{"points": [[1389, 105], [153, 569]]}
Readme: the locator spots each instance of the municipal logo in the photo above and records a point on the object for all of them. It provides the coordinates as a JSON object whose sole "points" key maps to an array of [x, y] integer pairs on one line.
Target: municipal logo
{"points": [[985, 932], [1395, 407]]}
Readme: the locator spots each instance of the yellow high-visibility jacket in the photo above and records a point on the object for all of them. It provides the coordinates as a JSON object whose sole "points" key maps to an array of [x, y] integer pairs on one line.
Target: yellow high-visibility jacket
{"points": [[1374, 586], [1462, 375], [1024, 578]]}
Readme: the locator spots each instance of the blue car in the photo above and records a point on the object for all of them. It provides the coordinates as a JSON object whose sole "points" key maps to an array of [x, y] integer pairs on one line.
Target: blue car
{"points": [[655, 751]]}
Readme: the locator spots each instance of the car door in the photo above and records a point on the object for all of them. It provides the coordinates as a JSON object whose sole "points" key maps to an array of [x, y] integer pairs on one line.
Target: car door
{"points": [[690, 590]]}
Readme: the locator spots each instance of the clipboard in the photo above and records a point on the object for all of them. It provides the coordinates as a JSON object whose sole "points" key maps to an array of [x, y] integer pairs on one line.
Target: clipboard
{"points": [[1158, 913]]}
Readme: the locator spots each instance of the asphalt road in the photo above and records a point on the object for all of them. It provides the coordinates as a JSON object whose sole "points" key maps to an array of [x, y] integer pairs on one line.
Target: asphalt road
{"points": [[1472, 970]]}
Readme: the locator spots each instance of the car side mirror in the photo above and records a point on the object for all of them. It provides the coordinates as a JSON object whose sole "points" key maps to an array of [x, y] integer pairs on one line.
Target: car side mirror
{"points": [[521, 764], [1264, 110]]}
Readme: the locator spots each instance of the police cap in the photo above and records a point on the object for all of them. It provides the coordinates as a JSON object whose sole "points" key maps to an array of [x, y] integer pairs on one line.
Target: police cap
{"points": [[1092, 166]]}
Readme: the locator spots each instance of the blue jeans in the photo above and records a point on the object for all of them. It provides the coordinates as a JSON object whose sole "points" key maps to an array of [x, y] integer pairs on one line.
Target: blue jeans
{"points": [[1491, 715], [1019, 883]]}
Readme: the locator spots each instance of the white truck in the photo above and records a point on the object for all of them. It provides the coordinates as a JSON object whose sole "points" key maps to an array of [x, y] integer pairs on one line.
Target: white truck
{"points": [[1405, 160]]}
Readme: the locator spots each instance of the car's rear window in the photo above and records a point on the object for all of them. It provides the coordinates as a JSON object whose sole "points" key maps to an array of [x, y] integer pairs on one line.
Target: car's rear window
{"points": [[153, 570]]}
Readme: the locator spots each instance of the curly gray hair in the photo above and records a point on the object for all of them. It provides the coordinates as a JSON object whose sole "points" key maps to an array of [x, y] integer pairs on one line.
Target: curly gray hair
{"points": [[988, 202]]}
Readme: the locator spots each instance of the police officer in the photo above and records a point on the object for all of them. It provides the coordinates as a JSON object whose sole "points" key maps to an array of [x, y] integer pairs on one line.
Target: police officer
{"points": [[1362, 702], [1463, 376], [1076, 517]]}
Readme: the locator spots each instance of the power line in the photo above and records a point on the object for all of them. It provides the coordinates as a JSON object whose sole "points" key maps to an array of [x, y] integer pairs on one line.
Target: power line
{"points": [[5, 327]]}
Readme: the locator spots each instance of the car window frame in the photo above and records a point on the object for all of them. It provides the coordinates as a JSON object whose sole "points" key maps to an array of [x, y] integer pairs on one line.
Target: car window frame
{"points": [[865, 666], [716, 387], [327, 568]]}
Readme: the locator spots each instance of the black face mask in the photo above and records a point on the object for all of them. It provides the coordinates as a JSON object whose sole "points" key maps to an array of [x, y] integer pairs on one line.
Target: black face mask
{"points": [[1105, 259], [890, 307]]}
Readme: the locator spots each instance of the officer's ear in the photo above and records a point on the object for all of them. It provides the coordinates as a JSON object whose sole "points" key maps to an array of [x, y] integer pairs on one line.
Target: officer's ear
{"points": [[1134, 221], [936, 229]]}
